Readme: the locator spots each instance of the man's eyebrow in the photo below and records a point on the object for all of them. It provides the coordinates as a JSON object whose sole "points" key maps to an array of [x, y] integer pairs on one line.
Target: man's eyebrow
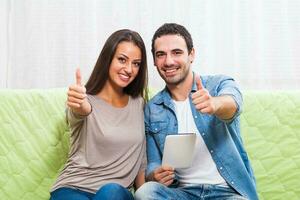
{"points": [[177, 50], [158, 52]]}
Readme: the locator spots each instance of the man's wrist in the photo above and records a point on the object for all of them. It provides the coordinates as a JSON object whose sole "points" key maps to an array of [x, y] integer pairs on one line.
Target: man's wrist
{"points": [[150, 177], [225, 107]]}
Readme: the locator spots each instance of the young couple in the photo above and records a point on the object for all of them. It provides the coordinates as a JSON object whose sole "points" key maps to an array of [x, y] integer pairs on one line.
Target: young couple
{"points": [[109, 116]]}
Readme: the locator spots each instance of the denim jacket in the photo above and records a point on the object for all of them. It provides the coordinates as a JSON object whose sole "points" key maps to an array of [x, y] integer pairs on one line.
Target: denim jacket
{"points": [[222, 137]]}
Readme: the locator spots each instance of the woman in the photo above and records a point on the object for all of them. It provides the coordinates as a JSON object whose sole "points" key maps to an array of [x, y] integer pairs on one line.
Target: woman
{"points": [[107, 154]]}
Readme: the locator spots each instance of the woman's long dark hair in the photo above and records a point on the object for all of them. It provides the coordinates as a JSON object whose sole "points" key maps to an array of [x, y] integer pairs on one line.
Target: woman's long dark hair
{"points": [[100, 74]]}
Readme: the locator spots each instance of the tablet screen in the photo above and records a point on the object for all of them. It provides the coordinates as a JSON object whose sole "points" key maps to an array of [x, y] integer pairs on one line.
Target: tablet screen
{"points": [[179, 150]]}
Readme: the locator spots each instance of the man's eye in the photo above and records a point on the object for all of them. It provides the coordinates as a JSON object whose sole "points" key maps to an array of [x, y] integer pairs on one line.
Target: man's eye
{"points": [[159, 55], [121, 60]]}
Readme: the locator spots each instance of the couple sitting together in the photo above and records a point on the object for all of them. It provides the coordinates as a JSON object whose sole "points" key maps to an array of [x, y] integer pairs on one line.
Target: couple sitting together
{"points": [[117, 135]]}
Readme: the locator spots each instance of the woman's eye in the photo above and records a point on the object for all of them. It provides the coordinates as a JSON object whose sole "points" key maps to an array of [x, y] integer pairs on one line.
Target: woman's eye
{"points": [[121, 60], [137, 64]]}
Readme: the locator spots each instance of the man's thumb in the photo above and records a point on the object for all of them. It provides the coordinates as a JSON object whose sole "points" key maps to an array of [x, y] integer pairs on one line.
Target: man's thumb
{"points": [[199, 83]]}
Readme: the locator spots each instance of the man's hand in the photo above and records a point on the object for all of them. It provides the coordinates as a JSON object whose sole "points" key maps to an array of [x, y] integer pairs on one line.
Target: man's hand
{"points": [[164, 175], [223, 107], [77, 98], [202, 100]]}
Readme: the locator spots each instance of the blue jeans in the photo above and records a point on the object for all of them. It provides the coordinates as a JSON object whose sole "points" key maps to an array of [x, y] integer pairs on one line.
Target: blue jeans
{"points": [[157, 191], [111, 191]]}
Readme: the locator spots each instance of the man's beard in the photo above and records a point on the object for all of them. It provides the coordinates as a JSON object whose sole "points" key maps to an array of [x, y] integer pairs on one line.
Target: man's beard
{"points": [[175, 80]]}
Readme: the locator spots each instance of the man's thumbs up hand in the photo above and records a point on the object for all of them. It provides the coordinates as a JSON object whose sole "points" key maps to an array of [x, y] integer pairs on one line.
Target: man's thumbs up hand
{"points": [[202, 100]]}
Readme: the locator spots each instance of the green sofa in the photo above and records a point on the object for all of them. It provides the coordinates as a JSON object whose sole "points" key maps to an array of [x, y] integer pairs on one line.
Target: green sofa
{"points": [[34, 141]]}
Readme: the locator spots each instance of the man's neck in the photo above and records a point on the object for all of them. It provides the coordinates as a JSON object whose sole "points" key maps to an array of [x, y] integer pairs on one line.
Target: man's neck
{"points": [[180, 92]]}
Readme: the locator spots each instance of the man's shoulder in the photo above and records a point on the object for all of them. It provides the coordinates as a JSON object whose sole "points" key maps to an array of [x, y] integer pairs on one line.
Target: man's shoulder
{"points": [[210, 79], [157, 98], [216, 83]]}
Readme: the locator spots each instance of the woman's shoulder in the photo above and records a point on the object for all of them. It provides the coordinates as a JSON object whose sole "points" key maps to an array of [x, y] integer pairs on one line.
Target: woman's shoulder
{"points": [[137, 100]]}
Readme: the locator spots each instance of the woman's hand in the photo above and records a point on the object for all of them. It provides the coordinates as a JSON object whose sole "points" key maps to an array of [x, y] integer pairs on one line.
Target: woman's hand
{"points": [[77, 98]]}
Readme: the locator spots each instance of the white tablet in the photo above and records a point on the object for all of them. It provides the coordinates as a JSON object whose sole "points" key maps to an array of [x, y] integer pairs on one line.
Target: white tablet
{"points": [[179, 150]]}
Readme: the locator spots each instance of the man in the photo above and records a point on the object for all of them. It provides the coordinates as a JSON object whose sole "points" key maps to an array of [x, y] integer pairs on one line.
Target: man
{"points": [[206, 105]]}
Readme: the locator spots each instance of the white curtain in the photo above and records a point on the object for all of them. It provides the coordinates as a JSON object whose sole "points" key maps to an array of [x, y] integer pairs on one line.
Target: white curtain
{"points": [[257, 42]]}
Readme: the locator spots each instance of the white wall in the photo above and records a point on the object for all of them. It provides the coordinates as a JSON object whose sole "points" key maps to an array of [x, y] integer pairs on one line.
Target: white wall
{"points": [[256, 42], [3, 42]]}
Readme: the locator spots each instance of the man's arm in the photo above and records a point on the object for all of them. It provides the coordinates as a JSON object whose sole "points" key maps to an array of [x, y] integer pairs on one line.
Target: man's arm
{"points": [[155, 172], [224, 106]]}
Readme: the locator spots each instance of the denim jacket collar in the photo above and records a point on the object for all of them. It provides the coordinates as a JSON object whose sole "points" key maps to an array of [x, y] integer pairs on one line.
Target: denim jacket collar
{"points": [[166, 98]]}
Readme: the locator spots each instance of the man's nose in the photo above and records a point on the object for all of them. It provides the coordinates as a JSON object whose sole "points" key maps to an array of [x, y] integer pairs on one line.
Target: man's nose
{"points": [[169, 60]]}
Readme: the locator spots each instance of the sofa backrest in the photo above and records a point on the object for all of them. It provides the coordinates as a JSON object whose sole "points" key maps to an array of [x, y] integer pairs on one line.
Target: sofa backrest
{"points": [[270, 126], [34, 141]]}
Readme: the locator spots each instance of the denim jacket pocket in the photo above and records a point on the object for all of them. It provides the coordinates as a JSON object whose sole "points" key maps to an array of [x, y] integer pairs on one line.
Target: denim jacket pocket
{"points": [[159, 132], [158, 127]]}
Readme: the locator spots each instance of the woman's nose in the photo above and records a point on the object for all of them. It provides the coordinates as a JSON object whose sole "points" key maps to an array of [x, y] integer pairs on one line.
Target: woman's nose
{"points": [[128, 68]]}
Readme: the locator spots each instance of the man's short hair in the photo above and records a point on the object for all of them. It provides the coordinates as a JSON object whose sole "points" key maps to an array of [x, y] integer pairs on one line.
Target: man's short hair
{"points": [[173, 29]]}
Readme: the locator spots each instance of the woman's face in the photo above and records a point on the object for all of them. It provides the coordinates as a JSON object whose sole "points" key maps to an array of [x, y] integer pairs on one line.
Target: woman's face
{"points": [[125, 64]]}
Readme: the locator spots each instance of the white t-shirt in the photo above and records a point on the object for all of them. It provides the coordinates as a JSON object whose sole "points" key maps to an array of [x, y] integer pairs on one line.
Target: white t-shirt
{"points": [[203, 169]]}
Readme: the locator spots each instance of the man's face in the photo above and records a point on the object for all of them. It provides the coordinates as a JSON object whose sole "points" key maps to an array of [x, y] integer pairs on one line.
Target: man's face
{"points": [[172, 59]]}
